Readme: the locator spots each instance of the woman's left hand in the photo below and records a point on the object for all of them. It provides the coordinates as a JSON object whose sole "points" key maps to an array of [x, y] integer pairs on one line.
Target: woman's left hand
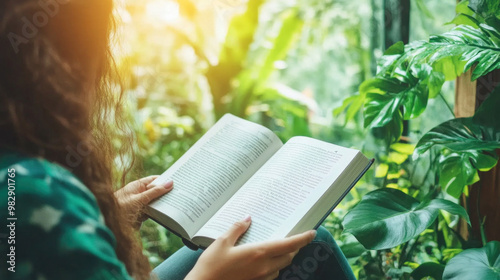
{"points": [[137, 194]]}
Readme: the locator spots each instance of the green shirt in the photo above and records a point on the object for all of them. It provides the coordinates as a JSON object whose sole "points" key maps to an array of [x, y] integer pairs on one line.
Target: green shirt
{"points": [[54, 228]]}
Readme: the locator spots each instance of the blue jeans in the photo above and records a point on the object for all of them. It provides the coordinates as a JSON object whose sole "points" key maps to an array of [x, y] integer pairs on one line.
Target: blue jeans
{"points": [[320, 260]]}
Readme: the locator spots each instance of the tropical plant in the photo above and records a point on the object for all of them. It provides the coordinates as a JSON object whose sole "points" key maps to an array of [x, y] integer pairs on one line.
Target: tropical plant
{"points": [[284, 64], [404, 215]]}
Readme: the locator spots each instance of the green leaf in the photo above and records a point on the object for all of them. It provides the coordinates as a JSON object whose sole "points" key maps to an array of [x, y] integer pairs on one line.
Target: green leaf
{"points": [[461, 134], [471, 143], [391, 132], [463, 8], [485, 8], [464, 42], [472, 148], [351, 106], [352, 249], [482, 263], [455, 172], [450, 207], [488, 114], [408, 76], [403, 148], [428, 269], [464, 19], [386, 217], [397, 48], [451, 67], [465, 46], [390, 100]]}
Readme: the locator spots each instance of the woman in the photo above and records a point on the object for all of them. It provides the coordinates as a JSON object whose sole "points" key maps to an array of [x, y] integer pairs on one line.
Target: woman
{"points": [[58, 117]]}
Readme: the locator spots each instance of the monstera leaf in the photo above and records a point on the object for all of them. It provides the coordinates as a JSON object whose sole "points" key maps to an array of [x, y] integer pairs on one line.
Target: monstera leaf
{"points": [[482, 263], [468, 44], [389, 101], [467, 146], [457, 170], [409, 75], [387, 217], [460, 135], [465, 46]]}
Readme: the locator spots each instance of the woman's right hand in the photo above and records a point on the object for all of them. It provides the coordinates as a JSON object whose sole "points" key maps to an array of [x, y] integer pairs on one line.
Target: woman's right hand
{"points": [[258, 261]]}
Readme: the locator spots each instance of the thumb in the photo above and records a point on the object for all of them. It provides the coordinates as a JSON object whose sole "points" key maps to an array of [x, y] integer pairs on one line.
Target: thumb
{"points": [[155, 191], [237, 230]]}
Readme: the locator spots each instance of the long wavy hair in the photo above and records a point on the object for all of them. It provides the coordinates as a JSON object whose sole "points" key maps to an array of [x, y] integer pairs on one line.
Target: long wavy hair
{"points": [[59, 100]]}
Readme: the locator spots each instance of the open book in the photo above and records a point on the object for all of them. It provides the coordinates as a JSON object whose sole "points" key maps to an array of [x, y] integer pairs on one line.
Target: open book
{"points": [[240, 168]]}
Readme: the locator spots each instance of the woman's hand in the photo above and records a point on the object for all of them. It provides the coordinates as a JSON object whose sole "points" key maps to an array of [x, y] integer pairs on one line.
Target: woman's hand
{"points": [[137, 194], [260, 261]]}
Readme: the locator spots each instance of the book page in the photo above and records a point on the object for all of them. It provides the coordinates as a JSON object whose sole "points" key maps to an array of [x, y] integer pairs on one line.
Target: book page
{"points": [[283, 190], [213, 170]]}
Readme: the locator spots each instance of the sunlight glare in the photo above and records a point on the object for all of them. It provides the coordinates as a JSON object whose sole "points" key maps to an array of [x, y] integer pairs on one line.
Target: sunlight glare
{"points": [[163, 10]]}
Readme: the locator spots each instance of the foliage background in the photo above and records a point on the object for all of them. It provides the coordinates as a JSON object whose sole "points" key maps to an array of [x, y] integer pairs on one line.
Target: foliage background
{"points": [[287, 65]]}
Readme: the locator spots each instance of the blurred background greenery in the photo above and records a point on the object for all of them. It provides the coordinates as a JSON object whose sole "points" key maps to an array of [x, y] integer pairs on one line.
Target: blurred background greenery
{"points": [[287, 64]]}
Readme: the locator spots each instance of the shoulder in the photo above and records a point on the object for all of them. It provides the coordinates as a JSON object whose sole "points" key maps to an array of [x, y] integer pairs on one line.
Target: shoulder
{"points": [[59, 229], [38, 172], [37, 184]]}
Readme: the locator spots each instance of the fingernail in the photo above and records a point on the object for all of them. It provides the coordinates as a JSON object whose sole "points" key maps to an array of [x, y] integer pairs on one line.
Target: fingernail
{"points": [[169, 184], [247, 219], [313, 233]]}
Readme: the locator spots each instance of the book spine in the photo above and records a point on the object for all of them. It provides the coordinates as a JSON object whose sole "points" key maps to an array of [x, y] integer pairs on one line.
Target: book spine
{"points": [[344, 194]]}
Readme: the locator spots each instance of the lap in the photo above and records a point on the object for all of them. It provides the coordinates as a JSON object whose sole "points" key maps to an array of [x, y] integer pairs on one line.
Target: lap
{"points": [[322, 259], [178, 265]]}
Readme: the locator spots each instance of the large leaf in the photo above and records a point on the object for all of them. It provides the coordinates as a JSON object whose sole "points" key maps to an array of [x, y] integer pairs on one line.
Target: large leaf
{"points": [[352, 249], [387, 217], [391, 100], [474, 46], [461, 134], [482, 263], [471, 143], [408, 76], [386, 63], [465, 16], [457, 170], [351, 106]]}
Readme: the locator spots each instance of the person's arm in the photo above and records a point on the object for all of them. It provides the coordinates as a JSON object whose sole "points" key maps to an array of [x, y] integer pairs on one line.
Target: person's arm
{"points": [[60, 232], [259, 261]]}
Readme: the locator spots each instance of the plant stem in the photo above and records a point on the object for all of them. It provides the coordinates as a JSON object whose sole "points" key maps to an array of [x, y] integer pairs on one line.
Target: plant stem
{"points": [[484, 240], [447, 105], [402, 257], [405, 256], [412, 248]]}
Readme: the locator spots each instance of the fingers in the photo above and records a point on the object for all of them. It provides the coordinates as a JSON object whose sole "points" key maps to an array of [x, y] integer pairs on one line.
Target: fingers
{"points": [[144, 183], [156, 191], [236, 230], [290, 244], [149, 179], [283, 261]]}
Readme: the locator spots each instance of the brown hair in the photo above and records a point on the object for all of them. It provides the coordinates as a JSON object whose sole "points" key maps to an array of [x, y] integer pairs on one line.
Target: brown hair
{"points": [[56, 99]]}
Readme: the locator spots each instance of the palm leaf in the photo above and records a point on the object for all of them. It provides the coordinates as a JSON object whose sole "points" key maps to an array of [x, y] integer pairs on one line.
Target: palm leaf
{"points": [[476, 47]]}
